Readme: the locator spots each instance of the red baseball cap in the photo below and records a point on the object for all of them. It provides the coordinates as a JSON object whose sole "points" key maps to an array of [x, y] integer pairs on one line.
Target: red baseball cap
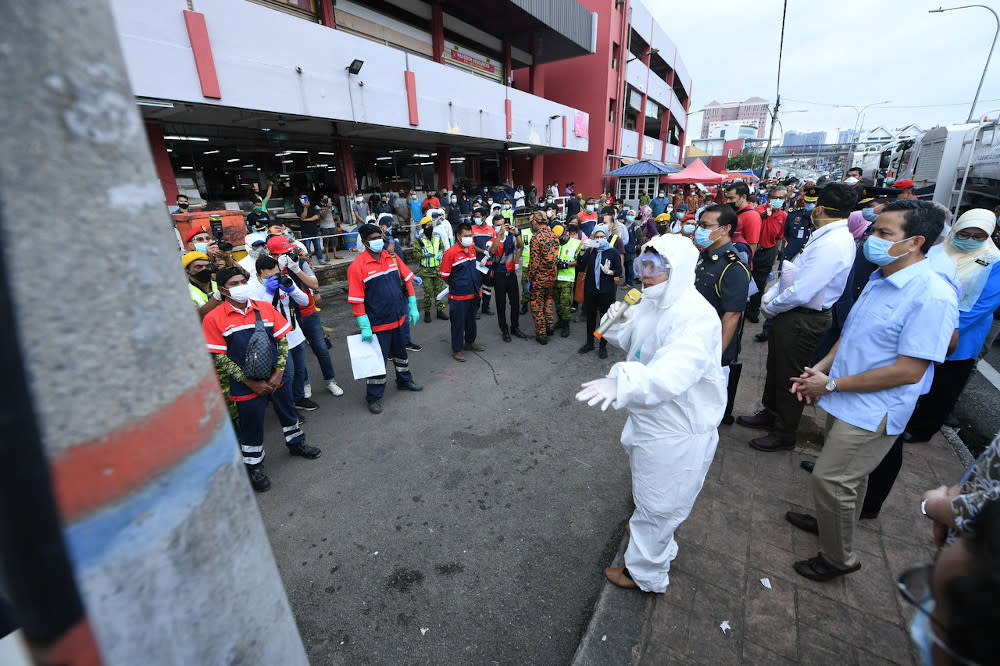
{"points": [[194, 232], [903, 184], [279, 245]]}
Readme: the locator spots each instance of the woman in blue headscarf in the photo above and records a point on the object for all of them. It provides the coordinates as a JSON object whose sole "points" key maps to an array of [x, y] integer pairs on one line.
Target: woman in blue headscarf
{"points": [[602, 264]]}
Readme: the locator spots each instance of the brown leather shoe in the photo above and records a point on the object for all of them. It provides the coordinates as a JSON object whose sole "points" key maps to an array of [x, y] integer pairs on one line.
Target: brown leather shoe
{"points": [[458, 356], [763, 420], [618, 576], [772, 442], [474, 346]]}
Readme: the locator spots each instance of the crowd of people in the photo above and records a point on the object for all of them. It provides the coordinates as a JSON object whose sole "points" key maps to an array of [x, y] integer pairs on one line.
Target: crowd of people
{"points": [[876, 307]]}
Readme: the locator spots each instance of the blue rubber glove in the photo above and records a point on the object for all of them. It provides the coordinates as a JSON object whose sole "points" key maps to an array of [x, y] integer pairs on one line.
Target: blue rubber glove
{"points": [[417, 280], [366, 328], [271, 285], [289, 289], [439, 255], [527, 286], [414, 312]]}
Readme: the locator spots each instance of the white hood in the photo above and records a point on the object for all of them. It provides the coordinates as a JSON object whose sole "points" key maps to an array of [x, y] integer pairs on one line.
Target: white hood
{"points": [[682, 256]]}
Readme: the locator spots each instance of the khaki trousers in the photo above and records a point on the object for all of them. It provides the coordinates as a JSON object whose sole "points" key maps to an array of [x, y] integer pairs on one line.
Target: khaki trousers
{"points": [[839, 481]]}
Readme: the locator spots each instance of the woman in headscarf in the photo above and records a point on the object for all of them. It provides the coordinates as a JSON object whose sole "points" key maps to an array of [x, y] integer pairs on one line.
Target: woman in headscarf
{"points": [[969, 253], [602, 264]]}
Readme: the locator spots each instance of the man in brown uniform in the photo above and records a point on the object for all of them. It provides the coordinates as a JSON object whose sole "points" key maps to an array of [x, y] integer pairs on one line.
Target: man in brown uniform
{"points": [[542, 275]]}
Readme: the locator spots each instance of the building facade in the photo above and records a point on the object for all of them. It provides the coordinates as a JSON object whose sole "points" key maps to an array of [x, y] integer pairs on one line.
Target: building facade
{"points": [[634, 90], [349, 96], [752, 111]]}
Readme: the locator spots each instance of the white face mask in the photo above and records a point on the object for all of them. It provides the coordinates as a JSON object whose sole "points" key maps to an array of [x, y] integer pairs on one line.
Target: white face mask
{"points": [[240, 293], [360, 199], [466, 241]]}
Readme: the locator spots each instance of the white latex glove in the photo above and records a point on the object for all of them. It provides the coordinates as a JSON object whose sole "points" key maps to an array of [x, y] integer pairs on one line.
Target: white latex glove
{"points": [[606, 267], [590, 243], [613, 310], [604, 391], [283, 262]]}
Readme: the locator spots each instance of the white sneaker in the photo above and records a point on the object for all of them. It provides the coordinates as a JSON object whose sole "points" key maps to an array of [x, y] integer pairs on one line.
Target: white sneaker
{"points": [[334, 389], [307, 390]]}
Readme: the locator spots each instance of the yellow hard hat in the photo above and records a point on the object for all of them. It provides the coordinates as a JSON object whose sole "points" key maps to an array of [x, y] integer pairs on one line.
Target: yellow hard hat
{"points": [[558, 230], [191, 257], [663, 217], [425, 221]]}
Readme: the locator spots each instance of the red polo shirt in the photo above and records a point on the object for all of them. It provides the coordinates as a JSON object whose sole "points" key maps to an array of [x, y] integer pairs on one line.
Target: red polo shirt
{"points": [[772, 226], [748, 226]]}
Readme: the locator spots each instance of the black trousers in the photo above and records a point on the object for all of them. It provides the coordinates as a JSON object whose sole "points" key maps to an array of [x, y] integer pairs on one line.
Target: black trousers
{"points": [[932, 409], [594, 306], [504, 288], [763, 262]]}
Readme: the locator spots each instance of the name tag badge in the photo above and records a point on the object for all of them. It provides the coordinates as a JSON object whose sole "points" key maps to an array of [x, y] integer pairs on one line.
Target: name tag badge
{"points": [[801, 233]]}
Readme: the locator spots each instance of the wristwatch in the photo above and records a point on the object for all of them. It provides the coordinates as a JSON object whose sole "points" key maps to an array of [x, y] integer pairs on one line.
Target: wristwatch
{"points": [[923, 507], [831, 385]]}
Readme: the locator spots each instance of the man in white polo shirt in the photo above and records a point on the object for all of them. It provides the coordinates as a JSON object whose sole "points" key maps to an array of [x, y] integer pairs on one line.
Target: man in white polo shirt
{"points": [[870, 381], [801, 315]]}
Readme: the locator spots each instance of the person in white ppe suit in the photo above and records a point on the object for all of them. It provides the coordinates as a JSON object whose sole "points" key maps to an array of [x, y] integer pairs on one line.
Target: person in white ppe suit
{"points": [[675, 393]]}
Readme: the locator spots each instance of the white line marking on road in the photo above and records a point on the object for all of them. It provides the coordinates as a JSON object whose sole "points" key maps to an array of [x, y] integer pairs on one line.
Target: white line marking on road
{"points": [[991, 375]]}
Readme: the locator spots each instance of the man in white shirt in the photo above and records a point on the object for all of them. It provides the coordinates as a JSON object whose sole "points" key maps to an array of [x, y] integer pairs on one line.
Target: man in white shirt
{"points": [[801, 315]]}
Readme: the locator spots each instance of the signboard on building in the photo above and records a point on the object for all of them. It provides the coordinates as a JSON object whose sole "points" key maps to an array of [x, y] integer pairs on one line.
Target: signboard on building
{"points": [[648, 146], [463, 57], [581, 125]]}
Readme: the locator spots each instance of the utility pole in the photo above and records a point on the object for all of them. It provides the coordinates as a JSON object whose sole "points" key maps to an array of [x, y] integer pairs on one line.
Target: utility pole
{"points": [[777, 93], [137, 497]]}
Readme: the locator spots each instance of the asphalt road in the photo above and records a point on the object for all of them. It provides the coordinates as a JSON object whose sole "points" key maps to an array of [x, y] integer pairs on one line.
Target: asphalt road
{"points": [[468, 523], [976, 410]]}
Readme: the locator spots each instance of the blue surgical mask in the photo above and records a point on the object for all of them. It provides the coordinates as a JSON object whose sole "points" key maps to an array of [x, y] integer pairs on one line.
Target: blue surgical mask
{"points": [[877, 251], [201, 247], [591, 208], [602, 244], [810, 206], [703, 237], [688, 229], [630, 218], [869, 214], [967, 244], [376, 245], [776, 204]]}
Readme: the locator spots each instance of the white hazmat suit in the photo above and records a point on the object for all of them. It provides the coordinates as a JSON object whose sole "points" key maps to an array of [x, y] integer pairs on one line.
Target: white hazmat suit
{"points": [[673, 387]]}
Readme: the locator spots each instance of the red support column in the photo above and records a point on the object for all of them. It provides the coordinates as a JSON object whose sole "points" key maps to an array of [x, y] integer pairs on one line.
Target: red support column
{"points": [[201, 48], [161, 159], [443, 167], [349, 180], [537, 172], [326, 15], [437, 32]]}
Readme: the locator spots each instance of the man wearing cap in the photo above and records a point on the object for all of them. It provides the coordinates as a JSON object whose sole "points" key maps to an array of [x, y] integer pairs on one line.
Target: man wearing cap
{"points": [[256, 246], [906, 190], [227, 331], [802, 314], [562, 293], [376, 286], [541, 275], [200, 285], [199, 240], [429, 248]]}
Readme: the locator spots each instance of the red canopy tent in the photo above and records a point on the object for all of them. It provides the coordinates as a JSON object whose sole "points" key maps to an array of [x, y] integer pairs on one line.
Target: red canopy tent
{"points": [[696, 172]]}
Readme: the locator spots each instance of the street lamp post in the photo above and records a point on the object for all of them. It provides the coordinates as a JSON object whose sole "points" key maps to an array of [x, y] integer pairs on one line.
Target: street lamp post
{"points": [[996, 32], [857, 122]]}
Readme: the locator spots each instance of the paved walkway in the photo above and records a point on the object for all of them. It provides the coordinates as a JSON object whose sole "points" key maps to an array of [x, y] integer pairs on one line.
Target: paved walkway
{"points": [[737, 535]]}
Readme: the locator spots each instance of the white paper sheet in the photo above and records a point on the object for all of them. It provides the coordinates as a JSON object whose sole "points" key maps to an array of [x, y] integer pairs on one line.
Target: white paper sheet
{"points": [[366, 357], [443, 295]]}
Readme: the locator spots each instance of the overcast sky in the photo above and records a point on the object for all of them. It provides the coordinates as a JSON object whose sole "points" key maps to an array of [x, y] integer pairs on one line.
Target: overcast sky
{"points": [[851, 52]]}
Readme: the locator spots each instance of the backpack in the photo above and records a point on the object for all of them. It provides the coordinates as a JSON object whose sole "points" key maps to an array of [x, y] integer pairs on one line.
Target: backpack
{"points": [[260, 360]]}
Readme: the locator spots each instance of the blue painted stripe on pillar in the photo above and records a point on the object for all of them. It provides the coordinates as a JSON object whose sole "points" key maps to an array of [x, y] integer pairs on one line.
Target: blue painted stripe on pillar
{"points": [[158, 507]]}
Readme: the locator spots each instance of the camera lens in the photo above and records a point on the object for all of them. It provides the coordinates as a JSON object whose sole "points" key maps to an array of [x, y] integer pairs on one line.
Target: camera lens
{"points": [[225, 246], [284, 281]]}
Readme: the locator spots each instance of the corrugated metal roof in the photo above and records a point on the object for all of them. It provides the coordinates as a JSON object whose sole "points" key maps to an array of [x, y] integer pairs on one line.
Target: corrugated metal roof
{"points": [[643, 168]]}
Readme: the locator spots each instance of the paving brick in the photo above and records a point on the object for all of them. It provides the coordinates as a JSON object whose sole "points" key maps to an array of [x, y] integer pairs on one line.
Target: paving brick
{"points": [[769, 614], [755, 655]]}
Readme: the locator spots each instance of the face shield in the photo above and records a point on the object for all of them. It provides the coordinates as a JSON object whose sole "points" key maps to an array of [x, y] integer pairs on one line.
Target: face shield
{"points": [[651, 264]]}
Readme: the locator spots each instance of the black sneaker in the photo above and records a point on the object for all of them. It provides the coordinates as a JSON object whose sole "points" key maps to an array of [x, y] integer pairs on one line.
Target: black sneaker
{"points": [[413, 346], [258, 480], [306, 405], [305, 451], [375, 407], [441, 314]]}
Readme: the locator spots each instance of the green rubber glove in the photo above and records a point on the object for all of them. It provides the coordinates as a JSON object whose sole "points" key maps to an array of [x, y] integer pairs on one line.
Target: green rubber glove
{"points": [[366, 328], [414, 312]]}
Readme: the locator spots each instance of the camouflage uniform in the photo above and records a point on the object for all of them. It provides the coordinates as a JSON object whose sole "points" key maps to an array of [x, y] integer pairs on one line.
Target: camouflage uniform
{"points": [[542, 276], [427, 251]]}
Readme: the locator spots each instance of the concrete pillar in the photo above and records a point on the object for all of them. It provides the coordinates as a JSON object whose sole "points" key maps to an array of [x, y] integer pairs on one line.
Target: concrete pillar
{"points": [[443, 168], [349, 180], [437, 32], [162, 529], [161, 160]]}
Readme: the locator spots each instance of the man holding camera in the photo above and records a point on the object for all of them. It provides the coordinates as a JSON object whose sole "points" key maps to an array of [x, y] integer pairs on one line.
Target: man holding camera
{"points": [[219, 253], [228, 331]]}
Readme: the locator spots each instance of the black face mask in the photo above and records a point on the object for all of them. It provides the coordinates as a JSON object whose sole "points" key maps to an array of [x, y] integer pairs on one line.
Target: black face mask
{"points": [[204, 275], [183, 205]]}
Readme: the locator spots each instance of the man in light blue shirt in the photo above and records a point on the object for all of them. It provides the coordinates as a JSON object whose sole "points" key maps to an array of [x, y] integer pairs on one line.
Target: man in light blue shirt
{"points": [[870, 381]]}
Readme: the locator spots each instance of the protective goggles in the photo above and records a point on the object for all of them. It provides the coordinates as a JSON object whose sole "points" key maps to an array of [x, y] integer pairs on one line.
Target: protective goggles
{"points": [[650, 264]]}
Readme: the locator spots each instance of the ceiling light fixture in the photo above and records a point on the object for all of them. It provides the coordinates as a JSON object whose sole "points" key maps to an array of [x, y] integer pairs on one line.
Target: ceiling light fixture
{"points": [[174, 137], [235, 159], [210, 152]]}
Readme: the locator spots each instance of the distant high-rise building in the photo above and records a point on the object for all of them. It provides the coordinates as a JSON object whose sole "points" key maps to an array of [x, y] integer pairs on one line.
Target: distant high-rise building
{"points": [[794, 138], [751, 112], [846, 136]]}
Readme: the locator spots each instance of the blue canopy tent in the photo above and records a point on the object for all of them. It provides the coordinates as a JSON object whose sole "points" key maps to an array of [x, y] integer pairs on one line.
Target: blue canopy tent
{"points": [[638, 176]]}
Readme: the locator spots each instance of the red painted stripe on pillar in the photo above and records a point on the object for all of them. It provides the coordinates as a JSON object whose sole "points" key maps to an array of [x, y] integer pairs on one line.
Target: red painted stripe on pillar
{"points": [[411, 96], [89, 475], [564, 131], [326, 15], [202, 49], [510, 124]]}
